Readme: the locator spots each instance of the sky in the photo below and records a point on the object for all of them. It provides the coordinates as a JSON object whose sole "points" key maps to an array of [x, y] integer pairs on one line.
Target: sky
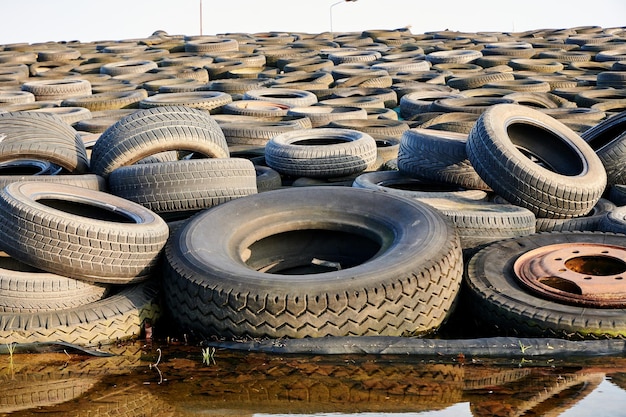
{"points": [[33, 21]]}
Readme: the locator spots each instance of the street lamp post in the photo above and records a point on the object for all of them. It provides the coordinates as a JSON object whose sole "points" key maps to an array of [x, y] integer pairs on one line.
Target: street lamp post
{"points": [[200, 17], [331, 12]]}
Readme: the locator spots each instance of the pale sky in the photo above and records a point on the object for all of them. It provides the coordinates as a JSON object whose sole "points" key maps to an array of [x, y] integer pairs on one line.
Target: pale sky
{"points": [[88, 20]]}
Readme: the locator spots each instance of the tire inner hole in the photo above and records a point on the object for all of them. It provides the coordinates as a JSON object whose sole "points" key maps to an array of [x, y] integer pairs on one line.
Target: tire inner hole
{"points": [[310, 251], [86, 210]]}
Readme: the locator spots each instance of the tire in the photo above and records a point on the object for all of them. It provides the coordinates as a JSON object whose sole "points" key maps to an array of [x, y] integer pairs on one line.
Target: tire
{"points": [[267, 179], [39, 136], [321, 153], [378, 290], [614, 221], [397, 183], [439, 156], [80, 233], [150, 131], [127, 67], [288, 96], [111, 100], [377, 128], [179, 189], [478, 80], [69, 115], [322, 116], [57, 89], [590, 222], [211, 101], [608, 139], [256, 108], [617, 194], [26, 289], [256, 133], [479, 223], [500, 302], [502, 144], [117, 317]]}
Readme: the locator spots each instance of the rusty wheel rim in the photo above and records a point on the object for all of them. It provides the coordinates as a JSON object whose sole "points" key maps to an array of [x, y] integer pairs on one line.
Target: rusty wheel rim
{"points": [[583, 274]]}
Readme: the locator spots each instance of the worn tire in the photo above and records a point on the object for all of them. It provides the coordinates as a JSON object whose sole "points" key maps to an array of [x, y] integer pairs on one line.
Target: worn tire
{"points": [[569, 185], [117, 317], [150, 131], [608, 139], [439, 156], [180, 188], [406, 288], [80, 233], [321, 153], [499, 302]]}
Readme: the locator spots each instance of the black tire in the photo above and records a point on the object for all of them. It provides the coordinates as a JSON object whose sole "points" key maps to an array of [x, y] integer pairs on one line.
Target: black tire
{"points": [[376, 128], [439, 156], [590, 222], [80, 233], [617, 194], [179, 189], [150, 131], [500, 302], [267, 179], [397, 183], [39, 136], [321, 153], [57, 89], [27, 289], [608, 139], [349, 282], [614, 221], [117, 317], [502, 145], [256, 133], [479, 223]]}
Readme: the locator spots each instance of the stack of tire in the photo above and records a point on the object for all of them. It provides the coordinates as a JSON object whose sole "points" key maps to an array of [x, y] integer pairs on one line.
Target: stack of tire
{"points": [[415, 150]]}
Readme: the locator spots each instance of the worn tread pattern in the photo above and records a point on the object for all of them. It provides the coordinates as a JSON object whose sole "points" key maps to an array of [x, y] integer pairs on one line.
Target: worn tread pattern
{"points": [[118, 317], [521, 181], [347, 152], [33, 135], [184, 186], [150, 131], [77, 246], [414, 297], [438, 156]]}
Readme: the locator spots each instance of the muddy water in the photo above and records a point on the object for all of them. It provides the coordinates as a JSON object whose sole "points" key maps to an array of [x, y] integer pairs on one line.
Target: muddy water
{"points": [[178, 380]]}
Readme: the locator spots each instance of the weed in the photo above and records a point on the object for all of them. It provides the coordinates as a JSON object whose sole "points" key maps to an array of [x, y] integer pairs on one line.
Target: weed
{"points": [[208, 356]]}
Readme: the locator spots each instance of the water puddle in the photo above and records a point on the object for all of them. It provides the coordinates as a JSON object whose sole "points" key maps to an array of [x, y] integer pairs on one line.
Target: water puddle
{"points": [[178, 380]]}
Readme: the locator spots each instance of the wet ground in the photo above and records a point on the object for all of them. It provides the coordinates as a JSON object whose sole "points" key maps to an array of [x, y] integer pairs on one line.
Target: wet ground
{"points": [[175, 379]]}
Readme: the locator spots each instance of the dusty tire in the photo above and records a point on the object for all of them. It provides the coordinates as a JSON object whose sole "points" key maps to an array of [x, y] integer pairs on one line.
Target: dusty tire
{"points": [[500, 302], [38, 136], [608, 139], [321, 153], [180, 188], [27, 289], [80, 233], [439, 156], [118, 317], [501, 148], [375, 287], [150, 131]]}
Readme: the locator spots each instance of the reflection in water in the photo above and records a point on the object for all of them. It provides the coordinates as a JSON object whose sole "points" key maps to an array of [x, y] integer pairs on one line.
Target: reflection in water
{"points": [[254, 384]]}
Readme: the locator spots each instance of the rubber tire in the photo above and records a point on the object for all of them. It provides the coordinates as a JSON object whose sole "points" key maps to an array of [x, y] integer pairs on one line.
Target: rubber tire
{"points": [[117, 317], [571, 189], [590, 222], [321, 152], [80, 233], [179, 189], [439, 156], [210, 290], [608, 139], [500, 303], [39, 136], [397, 183], [211, 101], [150, 131], [27, 289]]}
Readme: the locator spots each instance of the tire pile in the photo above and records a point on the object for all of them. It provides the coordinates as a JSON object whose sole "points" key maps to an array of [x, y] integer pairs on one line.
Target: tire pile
{"points": [[307, 185]]}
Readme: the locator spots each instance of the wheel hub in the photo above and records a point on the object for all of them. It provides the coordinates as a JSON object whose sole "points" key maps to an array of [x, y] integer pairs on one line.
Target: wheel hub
{"points": [[587, 274]]}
